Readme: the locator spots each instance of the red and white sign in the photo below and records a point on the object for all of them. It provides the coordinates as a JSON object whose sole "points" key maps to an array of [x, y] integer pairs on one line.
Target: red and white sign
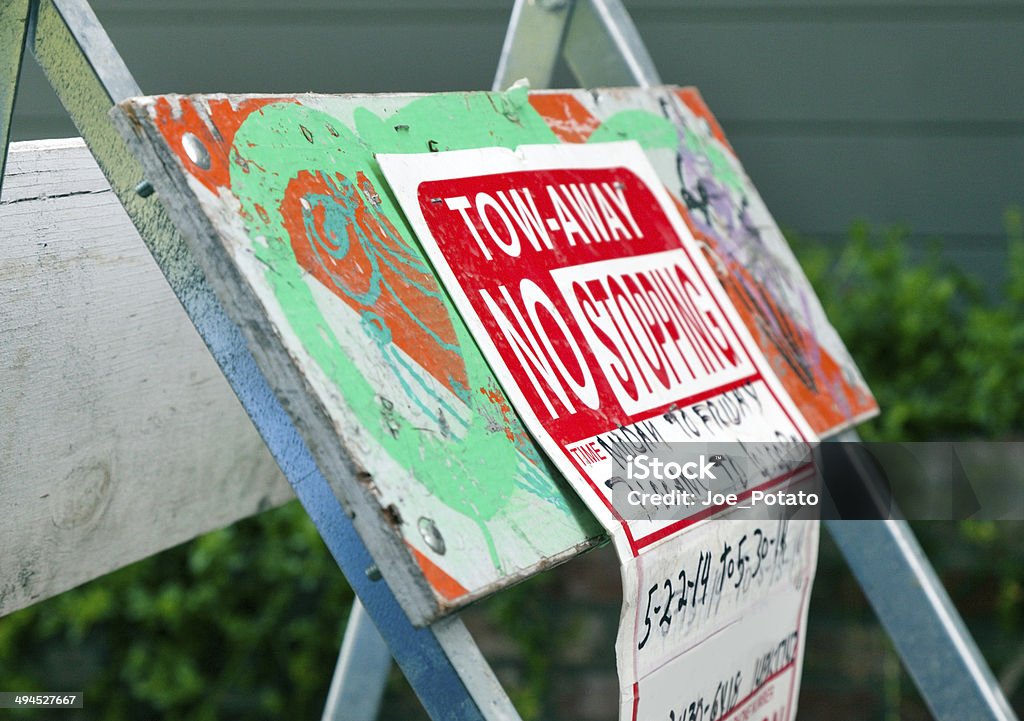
{"points": [[591, 301], [607, 330]]}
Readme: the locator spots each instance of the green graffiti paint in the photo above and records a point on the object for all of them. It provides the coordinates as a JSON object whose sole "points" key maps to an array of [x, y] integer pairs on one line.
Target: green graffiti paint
{"points": [[654, 132], [455, 122], [650, 130], [477, 469], [722, 168]]}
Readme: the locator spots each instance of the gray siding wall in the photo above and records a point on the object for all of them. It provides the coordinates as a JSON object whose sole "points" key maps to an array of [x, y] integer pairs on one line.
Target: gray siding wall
{"points": [[893, 111]]}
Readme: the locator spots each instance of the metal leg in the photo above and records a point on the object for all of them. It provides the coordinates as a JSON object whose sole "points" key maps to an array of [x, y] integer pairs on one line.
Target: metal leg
{"points": [[937, 650], [600, 43], [911, 603], [533, 42], [13, 29], [361, 673], [603, 47], [443, 665]]}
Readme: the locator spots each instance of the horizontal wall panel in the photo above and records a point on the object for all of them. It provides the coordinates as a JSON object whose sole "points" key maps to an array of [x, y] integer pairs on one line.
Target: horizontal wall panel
{"points": [[883, 8], [857, 96], [932, 185], [780, 71], [932, 71]]}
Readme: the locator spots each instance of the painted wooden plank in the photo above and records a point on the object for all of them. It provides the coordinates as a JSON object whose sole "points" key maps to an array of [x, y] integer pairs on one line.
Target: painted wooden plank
{"points": [[118, 435], [284, 206], [819, 180], [380, 376], [820, 185]]}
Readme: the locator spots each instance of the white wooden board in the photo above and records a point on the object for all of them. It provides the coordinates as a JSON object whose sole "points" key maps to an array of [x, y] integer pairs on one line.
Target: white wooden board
{"points": [[119, 437]]}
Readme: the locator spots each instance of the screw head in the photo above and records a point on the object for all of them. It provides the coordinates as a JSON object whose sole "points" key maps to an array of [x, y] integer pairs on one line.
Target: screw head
{"points": [[196, 151], [433, 537]]}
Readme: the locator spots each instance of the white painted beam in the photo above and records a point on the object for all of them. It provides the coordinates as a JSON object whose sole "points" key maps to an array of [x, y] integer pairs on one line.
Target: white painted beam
{"points": [[118, 435]]}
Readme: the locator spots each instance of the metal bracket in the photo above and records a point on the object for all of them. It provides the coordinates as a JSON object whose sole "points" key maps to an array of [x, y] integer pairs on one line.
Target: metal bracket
{"points": [[597, 38]]}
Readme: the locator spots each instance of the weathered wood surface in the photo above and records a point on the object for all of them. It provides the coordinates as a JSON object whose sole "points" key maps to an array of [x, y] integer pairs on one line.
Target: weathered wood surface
{"points": [[119, 437], [283, 204]]}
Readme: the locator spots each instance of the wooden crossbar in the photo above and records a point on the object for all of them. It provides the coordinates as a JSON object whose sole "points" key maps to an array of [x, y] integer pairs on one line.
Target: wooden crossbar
{"points": [[119, 436]]}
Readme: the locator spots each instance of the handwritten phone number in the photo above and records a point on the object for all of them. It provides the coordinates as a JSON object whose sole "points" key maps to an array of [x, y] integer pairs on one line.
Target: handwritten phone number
{"points": [[756, 555]]}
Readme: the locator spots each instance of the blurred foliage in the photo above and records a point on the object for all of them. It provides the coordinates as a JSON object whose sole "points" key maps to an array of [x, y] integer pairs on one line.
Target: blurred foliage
{"points": [[246, 622], [943, 354], [526, 615]]}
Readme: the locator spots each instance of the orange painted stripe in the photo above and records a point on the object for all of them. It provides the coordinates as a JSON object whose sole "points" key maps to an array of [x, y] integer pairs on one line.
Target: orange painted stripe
{"points": [[565, 115], [437, 578], [693, 100]]}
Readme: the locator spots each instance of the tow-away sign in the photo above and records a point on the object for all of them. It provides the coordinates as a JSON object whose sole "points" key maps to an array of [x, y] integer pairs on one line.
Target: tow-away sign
{"points": [[608, 331]]}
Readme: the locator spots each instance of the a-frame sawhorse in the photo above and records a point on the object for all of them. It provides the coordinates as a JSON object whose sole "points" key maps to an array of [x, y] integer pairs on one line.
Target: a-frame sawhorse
{"points": [[442, 663]]}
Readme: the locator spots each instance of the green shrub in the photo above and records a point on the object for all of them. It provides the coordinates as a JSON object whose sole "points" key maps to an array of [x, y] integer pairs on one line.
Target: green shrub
{"points": [[943, 355]]}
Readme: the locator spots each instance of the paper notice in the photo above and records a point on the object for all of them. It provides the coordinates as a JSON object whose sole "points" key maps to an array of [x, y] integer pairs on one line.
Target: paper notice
{"points": [[622, 354]]}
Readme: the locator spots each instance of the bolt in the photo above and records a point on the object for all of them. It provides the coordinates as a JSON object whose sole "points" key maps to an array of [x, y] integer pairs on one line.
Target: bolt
{"points": [[144, 189], [196, 151], [373, 573], [431, 535]]}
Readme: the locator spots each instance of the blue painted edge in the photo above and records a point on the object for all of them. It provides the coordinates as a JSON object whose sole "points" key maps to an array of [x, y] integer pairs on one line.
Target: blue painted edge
{"points": [[417, 651]]}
